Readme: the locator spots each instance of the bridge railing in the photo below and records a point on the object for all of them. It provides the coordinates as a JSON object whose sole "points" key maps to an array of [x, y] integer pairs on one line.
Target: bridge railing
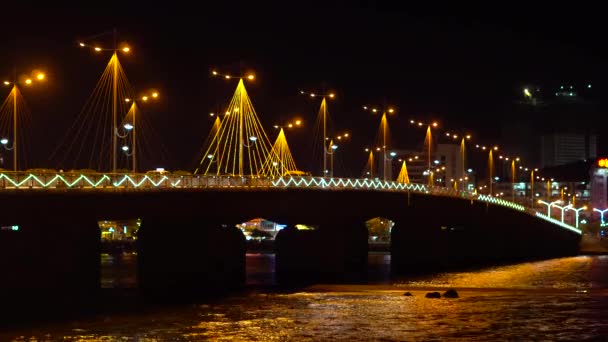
{"points": [[64, 181]]}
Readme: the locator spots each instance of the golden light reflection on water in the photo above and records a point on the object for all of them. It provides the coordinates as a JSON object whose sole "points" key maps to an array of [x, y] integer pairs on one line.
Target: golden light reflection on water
{"points": [[571, 272], [531, 301]]}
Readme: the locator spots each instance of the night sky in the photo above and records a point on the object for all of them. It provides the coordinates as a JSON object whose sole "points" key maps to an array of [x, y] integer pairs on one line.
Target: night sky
{"points": [[464, 66]]}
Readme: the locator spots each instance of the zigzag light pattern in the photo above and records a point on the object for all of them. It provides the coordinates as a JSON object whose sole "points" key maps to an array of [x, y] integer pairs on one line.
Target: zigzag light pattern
{"points": [[105, 181]]}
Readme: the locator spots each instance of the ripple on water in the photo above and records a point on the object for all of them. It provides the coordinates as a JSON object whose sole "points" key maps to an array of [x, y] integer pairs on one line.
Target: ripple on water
{"points": [[547, 300]]}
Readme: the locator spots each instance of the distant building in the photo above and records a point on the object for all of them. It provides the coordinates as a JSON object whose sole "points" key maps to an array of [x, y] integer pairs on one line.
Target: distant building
{"points": [[550, 125], [599, 184], [449, 156], [561, 149]]}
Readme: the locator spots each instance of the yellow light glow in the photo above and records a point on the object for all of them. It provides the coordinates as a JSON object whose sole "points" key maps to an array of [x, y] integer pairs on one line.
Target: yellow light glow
{"points": [[495, 148], [227, 76], [468, 136], [127, 100], [290, 125], [434, 124], [391, 110], [40, 76], [312, 95], [227, 113], [7, 82], [126, 49], [155, 95], [250, 77], [332, 95], [97, 48], [420, 124], [28, 81], [82, 44], [339, 137], [346, 135], [298, 122], [214, 72], [145, 98]]}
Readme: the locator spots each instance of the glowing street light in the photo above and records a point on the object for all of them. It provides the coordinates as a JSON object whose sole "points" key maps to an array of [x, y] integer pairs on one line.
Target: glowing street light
{"points": [[548, 206], [564, 208], [114, 64], [331, 150], [323, 112], [289, 124], [250, 77], [14, 94], [131, 127], [390, 110], [577, 213], [603, 223]]}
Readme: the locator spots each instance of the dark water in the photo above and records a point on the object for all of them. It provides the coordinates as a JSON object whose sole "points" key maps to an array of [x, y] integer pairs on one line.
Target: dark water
{"points": [[558, 299]]}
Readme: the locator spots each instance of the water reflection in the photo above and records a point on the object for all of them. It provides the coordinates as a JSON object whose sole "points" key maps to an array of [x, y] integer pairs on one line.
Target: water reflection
{"points": [[546, 300], [563, 273]]}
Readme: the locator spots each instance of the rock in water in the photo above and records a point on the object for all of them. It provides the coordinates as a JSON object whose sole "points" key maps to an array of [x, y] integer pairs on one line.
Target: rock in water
{"points": [[407, 294], [451, 293], [433, 295]]}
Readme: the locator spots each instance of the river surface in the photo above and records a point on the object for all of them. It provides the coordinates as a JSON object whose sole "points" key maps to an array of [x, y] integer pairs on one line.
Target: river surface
{"points": [[557, 299]]}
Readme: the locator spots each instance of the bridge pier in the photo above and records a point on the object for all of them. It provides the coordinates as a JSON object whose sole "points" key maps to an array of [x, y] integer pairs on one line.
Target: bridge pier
{"points": [[468, 234], [49, 265], [189, 258], [336, 251]]}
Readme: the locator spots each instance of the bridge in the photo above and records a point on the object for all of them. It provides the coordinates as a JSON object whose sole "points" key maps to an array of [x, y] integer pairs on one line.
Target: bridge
{"points": [[50, 239]]}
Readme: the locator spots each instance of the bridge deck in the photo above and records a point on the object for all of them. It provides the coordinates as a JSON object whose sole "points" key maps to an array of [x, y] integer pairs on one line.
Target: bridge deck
{"points": [[69, 181]]}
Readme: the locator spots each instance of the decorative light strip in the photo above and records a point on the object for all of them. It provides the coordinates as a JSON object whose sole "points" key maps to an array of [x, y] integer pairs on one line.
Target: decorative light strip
{"points": [[58, 181], [501, 201], [104, 180], [347, 183], [559, 223]]}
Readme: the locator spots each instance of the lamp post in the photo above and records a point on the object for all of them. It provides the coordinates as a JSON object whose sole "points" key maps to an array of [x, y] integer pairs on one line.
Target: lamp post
{"points": [[564, 208], [281, 148], [384, 134], [323, 113], [332, 147], [114, 63], [132, 126], [241, 113], [577, 213], [602, 223], [15, 94], [548, 206]]}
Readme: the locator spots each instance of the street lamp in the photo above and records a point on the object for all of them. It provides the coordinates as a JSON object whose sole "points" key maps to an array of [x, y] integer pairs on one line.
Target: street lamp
{"points": [[548, 206], [331, 150], [564, 208], [295, 123], [602, 224], [386, 110], [240, 110], [15, 93], [577, 213], [323, 112], [115, 66], [131, 127]]}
